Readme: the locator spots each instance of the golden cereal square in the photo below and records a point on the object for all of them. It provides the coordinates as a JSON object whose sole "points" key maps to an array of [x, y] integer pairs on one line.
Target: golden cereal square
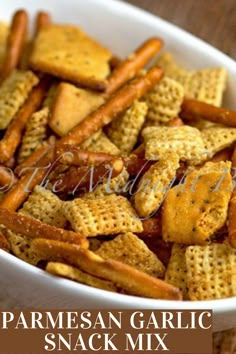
{"points": [[217, 138], [154, 185], [68, 53], [164, 101], [211, 271], [124, 130], [176, 271], [35, 133], [185, 141], [104, 216], [13, 93], [101, 143], [129, 249], [45, 206]]}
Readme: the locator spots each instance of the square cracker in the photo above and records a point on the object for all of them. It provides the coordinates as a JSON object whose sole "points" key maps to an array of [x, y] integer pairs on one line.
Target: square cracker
{"points": [[70, 106], [109, 215], [211, 271], [129, 249], [68, 53], [201, 202]]}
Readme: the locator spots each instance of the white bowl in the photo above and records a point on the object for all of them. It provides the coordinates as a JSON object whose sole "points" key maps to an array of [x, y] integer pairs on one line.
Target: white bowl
{"points": [[121, 27]]}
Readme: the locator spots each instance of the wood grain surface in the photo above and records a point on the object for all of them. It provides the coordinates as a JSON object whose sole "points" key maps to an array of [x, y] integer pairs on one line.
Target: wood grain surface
{"points": [[212, 20]]}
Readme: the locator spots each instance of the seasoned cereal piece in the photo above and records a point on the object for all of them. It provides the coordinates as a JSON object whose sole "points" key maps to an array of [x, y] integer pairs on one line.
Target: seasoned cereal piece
{"points": [[154, 185], [114, 185], [176, 269], [70, 106], [42, 205], [13, 93], [211, 271], [45, 206], [86, 144], [185, 141], [21, 248], [68, 53], [73, 273], [174, 70], [201, 202], [35, 133], [103, 144], [104, 216], [206, 85], [129, 249], [217, 138], [124, 130], [164, 101]]}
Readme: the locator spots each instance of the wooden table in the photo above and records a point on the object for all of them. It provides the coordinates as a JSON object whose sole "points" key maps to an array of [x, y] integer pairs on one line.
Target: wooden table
{"points": [[212, 20]]}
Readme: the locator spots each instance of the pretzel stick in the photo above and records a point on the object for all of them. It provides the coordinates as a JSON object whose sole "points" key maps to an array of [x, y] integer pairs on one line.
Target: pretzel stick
{"points": [[7, 177], [15, 43], [115, 62], [136, 165], [128, 278], [87, 177], [222, 155], [139, 151], [12, 137], [129, 68], [33, 228], [43, 19], [232, 207], [34, 158], [113, 107], [10, 163], [72, 155], [192, 110], [175, 122], [13, 199]]}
